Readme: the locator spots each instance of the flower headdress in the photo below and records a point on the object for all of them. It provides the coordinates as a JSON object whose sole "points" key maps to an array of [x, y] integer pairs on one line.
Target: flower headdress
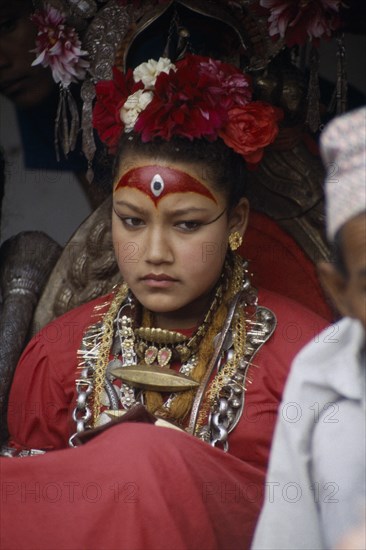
{"points": [[80, 41], [197, 97]]}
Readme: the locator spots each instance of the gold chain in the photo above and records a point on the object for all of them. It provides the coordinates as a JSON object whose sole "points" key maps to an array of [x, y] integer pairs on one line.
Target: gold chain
{"points": [[105, 346], [182, 403], [183, 346], [235, 284], [227, 371]]}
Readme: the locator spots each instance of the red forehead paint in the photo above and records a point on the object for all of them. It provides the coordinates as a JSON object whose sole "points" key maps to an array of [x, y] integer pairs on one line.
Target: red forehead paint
{"points": [[158, 181]]}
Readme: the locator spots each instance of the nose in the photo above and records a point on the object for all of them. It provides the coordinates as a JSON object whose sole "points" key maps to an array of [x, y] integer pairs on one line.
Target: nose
{"points": [[158, 247]]}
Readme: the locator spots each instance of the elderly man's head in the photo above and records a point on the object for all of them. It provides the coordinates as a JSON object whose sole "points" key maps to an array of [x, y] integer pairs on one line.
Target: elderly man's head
{"points": [[343, 146]]}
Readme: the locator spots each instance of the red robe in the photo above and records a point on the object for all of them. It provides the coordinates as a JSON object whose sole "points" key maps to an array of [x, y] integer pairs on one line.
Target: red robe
{"points": [[137, 486]]}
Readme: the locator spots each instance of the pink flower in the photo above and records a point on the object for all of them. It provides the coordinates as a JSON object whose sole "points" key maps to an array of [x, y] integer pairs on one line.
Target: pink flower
{"points": [[298, 20], [58, 46], [230, 83]]}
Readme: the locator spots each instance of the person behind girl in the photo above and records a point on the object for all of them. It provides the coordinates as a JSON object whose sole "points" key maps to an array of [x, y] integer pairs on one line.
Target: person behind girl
{"points": [[324, 456], [182, 343]]}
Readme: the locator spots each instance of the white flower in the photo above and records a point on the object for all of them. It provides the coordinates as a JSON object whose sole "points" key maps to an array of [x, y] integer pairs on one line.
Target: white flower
{"points": [[134, 104], [148, 72]]}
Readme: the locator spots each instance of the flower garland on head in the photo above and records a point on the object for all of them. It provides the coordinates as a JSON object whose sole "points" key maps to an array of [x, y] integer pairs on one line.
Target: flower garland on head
{"points": [[197, 97]]}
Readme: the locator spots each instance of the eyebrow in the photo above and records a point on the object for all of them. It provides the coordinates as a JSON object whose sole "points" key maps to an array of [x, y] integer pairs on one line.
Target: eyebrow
{"points": [[136, 209], [179, 212]]}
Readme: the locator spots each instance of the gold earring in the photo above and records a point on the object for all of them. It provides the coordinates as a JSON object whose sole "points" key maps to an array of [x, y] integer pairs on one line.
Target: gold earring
{"points": [[235, 240]]}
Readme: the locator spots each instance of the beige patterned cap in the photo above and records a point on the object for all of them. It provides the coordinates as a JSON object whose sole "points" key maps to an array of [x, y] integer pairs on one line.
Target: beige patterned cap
{"points": [[343, 146]]}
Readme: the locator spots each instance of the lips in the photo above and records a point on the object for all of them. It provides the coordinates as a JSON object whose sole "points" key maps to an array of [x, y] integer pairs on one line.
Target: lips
{"points": [[158, 277], [158, 280]]}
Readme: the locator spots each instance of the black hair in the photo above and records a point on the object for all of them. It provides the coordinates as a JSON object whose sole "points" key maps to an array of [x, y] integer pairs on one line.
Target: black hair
{"points": [[224, 167]]}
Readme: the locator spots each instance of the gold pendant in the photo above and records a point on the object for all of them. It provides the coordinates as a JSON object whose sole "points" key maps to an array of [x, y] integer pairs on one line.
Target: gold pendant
{"points": [[150, 354], [164, 356], [154, 378]]}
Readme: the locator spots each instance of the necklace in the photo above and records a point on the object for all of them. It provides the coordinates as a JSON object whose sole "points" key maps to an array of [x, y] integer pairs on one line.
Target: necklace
{"points": [[223, 391], [155, 380], [151, 339], [161, 345], [152, 373]]}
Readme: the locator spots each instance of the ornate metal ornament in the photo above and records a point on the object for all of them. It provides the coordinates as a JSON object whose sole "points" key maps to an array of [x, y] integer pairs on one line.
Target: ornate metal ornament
{"points": [[229, 405], [126, 381], [154, 378]]}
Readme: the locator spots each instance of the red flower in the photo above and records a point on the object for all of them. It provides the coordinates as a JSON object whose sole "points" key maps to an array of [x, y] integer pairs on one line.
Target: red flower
{"points": [[198, 98], [193, 101], [251, 128], [111, 95], [181, 106], [298, 20]]}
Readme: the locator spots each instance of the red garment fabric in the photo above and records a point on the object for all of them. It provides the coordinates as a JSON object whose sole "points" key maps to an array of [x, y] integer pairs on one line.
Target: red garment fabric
{"points": [[134, 487], [279, 264], [190, 495]]}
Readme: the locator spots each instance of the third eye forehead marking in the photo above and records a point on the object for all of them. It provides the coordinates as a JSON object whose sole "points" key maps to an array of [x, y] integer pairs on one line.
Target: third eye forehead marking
{"points": [[159, 181], [157, 185]]}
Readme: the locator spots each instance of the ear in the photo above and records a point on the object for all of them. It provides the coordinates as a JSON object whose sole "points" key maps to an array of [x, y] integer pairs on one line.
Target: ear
{"points": [[238, 217], [335, 285]]}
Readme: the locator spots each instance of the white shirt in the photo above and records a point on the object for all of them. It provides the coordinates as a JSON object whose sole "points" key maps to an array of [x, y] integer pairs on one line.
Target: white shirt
{"points": [[315, 488]]}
